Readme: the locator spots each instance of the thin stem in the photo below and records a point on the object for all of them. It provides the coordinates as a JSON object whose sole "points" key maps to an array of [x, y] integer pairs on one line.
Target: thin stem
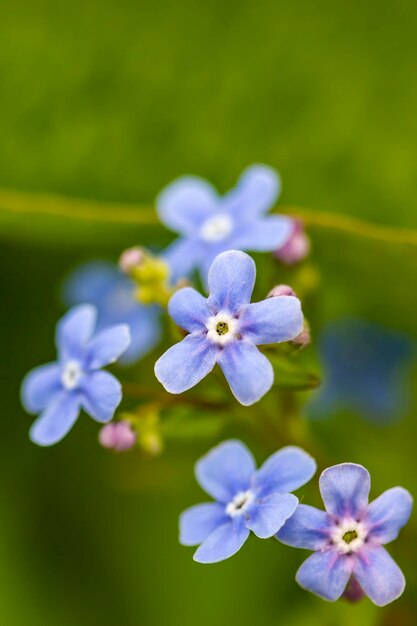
{"points": [[140, 392]]}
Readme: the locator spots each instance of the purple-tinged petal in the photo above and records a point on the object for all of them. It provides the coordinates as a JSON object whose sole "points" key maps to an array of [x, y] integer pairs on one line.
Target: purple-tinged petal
{"points": [[57, 419], [248, 372], [186, 203], [39, 385], [182, 256], [225, 470], [198, 522], [255, 193], [107, 346], [74, 331], [101, 395], [325, 573], [389, 513], [285, 470], [264, 235], [272, 320], [223, 542], [186, 363], [231, 280], [378, 575], [189, 309], [308, 528], [269, 514], [345, 489]]}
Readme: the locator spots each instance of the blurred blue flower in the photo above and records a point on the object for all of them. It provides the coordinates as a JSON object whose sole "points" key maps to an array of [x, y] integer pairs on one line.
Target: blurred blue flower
{"points": [[365, 370], [246, 499], [75, 381], [225, 329], [209, 224], [112, 293], [348, 537]]}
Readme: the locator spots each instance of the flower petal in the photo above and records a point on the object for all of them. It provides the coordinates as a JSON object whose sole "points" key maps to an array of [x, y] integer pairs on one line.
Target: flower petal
{"points": [[272, 320], [107, 346], [378, 575], [248, 372], [186, 203], [269, 514], [255, 193], [223, 542], [286, 470], [325, 573], [57, 419], [231, 280], [74, 330], [389, 513], [182, 256], [225, 470], [39, 385], [198, 522], [264, 235], [102, 393], [308, 528], [345, 489], [189, 309], [186, 363], [90, 282], [145, 333]]}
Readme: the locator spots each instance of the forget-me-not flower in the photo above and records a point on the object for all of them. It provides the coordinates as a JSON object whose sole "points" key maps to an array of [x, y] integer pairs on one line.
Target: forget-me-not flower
{"points": [[59, 390], [209, 223], [247, 499], [113, 294], [226, 328], [348, 537]]}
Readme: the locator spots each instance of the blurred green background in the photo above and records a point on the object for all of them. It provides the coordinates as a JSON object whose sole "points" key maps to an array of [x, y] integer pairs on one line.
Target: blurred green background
{"points": [[111, 101]]}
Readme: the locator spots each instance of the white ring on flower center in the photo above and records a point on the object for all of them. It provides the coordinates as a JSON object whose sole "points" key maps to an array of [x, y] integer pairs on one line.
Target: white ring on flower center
{"points": [[240, 503], [71, 374], [343, 535], [221, 328], [217, 227]]}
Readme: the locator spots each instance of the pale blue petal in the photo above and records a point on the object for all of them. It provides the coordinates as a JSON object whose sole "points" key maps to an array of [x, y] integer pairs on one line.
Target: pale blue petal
{"points": [[389, 513], [145, 333], [198, 522], [57, 419], [308, 528], [90, 282], [248, 372], [378, 575], [101, 395], [39, 385], [183, 256], [269, 514], [107, 346], [231, 280], [345, 489], [225, 470], [264, 235], [272, 320], [186, 363], [189, 309], [284, 471], [255, 193], [186, 203], [223, 542], [325, 573], [74, 331]]}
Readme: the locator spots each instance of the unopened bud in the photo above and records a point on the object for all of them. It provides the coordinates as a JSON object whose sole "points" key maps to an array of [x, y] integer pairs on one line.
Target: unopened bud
{"points": [[117, 436], [297, 246], [353, 591], [304, 338], [130, 259], [281, 290]]}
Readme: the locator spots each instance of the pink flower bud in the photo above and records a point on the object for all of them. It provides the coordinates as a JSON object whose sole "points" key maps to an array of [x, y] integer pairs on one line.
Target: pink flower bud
{"points": [[353, 591], [117, 436], [304, 338], [130, 258], [281, 290], [296, 248]]}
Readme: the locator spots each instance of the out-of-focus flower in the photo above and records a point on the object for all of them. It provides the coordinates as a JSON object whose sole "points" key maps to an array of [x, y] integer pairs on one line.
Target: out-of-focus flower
{"points": [[130, 259], [117, 436], [225, 329], [348, 537], [60, 390], [209, 224], [247, 499], [296, 248], [113, 294], [365, 371], [281, 290]]}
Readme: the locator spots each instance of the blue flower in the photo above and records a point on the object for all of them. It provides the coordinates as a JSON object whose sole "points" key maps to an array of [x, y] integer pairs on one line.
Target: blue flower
{"points": [[365, 371], [247, 499], [348, 537], [209, 224], [225, 329], [112, 293], [75, 381]]}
